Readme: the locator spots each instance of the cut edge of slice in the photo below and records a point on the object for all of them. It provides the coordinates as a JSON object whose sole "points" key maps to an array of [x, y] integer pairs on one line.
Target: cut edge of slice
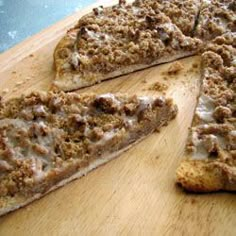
{"points": [[161, 117], [21, 201], [69, 81]]}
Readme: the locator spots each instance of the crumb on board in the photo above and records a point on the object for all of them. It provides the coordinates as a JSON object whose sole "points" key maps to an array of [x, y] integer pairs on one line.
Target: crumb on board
{"points": [[19, 83], [31, 55], [13, 72], [5, 91], [157, 86], [195, 65], [193, 201], [175, 68]]}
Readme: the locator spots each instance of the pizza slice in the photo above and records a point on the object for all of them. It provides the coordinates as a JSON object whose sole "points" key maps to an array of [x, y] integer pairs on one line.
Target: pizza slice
{"points": [[210, 163], [183, 14], [49, 139], [118, 40], [216, 18]]}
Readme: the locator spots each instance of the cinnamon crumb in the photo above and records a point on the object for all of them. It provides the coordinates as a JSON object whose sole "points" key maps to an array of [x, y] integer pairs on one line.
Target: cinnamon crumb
{"points": [[157, 86], [195, 65], [175, 68], [193, 201], [5, 91], [19, 83]]}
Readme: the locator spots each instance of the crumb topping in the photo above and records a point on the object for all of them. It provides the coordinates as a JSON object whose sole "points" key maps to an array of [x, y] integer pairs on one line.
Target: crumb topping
{"points": [[124, 35], [216, 18], [175, 68], [182, 14], [157, 86], [44, 137], [214, 126]]}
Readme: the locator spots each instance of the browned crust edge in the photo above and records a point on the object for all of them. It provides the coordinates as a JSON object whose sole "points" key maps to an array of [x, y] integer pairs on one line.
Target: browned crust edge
{"points": [[206, 176]]}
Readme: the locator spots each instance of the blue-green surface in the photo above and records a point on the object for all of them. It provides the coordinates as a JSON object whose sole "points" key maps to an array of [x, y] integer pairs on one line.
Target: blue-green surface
{"points": [[20, 19]]}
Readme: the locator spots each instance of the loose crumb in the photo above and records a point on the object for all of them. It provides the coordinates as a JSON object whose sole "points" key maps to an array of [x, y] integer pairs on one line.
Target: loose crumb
{"points": [[13, 72], [157, 86], [193, 201], [19, 83], [31, 55], [5, 91], [195, 65], [175, 68]]}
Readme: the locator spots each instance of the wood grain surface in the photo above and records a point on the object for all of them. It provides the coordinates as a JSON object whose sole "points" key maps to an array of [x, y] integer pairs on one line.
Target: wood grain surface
{"points": [[134, 194]]}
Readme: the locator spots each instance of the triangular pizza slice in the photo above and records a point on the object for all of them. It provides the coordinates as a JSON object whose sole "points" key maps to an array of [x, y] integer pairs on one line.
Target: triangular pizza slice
{"points": [[184, 14], [118, 40], [216, 18], [211, 149], [49, 139]]}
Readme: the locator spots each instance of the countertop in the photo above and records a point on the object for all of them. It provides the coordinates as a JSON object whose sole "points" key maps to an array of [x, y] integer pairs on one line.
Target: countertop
{"points": [[20, 19]]}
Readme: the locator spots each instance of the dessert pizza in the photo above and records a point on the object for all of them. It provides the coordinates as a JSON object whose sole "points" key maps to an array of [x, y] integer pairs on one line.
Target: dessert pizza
{"points": [[183, 14], [211, 150], [49, 139], [216, 17], [114, 41]]}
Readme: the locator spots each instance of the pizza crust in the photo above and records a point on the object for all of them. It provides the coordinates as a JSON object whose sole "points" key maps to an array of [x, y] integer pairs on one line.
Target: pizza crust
{"points": [[11, 204], [74, 55], [206, 176], [69, 80], [63, 136], [209, 163], [14, 203]]}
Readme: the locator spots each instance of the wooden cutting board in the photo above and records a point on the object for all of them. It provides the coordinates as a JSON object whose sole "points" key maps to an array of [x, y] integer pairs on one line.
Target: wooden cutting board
{"points": [[134, 194]]}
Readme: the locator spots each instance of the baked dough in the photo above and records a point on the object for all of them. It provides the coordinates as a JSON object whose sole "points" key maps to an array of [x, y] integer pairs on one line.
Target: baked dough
{"points": [[118, 40], [210, 163], [49, 139]]}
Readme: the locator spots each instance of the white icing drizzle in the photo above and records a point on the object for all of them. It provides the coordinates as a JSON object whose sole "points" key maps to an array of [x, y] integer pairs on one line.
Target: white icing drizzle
{"points": [[130, 120], [205, 108], [200, 153], [136, 10], [93, 34], [234, 61], [233, 133], [42, 124], [37, 169], [168, 26], [144, 103], [56, 101], [45, 142], [5, 165], [39, 109], [75, 58], [107, 136], [206, 1], [112, 97]]}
